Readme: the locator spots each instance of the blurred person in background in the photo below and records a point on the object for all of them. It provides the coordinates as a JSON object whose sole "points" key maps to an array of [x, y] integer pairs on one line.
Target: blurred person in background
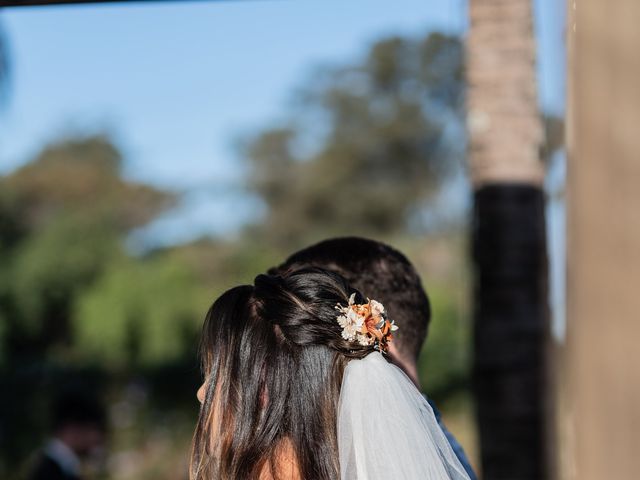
{"points": [[78, 432], [383, 273]]}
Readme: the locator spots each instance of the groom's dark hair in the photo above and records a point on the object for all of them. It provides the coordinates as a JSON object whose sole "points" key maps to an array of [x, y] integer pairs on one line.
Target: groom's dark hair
{"points": [[380, 272]]}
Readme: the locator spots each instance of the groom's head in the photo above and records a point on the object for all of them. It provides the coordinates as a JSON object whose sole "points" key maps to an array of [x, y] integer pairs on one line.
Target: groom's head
{"points": [[381, 272]]}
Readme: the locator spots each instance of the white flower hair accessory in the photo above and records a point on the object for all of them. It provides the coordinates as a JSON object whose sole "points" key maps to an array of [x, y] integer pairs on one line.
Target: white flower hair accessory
{"points": [[366, 323]]}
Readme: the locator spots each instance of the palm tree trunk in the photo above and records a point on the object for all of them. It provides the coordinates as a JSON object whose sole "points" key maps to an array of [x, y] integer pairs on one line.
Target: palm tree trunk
{"points": [[509, 240]]}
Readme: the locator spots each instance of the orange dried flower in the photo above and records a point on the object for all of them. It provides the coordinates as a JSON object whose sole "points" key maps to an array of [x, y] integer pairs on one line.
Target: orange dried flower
{"points": [[366, 323]]}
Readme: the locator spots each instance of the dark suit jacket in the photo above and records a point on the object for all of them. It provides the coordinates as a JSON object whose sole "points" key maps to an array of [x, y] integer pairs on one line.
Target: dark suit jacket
{"points": [[48, 469]]}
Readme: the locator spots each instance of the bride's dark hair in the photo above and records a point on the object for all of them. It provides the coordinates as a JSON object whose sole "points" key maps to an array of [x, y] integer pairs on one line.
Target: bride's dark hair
{"points": [[273, 358]]}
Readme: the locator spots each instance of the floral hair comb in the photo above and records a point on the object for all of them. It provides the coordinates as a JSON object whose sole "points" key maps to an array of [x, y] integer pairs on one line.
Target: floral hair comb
{"points": [[366, 323]]}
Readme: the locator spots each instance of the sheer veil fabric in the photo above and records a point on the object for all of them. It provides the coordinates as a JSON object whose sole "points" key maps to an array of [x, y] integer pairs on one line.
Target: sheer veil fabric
{"points": [[387, 429]]}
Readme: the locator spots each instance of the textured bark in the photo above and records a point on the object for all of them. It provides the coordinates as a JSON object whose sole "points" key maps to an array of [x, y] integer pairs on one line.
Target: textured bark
{"points": [[604, 240], [503, 119], [509, 242]]}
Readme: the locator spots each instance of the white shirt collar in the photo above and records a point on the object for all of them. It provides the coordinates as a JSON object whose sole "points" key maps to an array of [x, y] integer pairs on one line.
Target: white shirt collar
{"points": [[65, 457]]}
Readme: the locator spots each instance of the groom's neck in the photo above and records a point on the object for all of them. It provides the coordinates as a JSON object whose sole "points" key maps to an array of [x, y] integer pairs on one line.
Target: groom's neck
{"points": [[407, 366]]}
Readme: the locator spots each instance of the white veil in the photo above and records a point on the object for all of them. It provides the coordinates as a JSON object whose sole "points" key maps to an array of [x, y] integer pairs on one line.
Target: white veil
{"points": [[387, 429]]}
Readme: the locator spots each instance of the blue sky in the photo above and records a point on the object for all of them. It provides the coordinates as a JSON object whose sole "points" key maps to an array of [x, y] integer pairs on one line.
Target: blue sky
{"points": [[177, 82]]}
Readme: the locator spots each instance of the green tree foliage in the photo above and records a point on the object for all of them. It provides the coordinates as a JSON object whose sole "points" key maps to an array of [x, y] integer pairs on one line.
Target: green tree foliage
{"points": [[62, 217], [140, 314], [554, 134], [81, 176], [51, 268], [366, 146], [444, 360]]}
